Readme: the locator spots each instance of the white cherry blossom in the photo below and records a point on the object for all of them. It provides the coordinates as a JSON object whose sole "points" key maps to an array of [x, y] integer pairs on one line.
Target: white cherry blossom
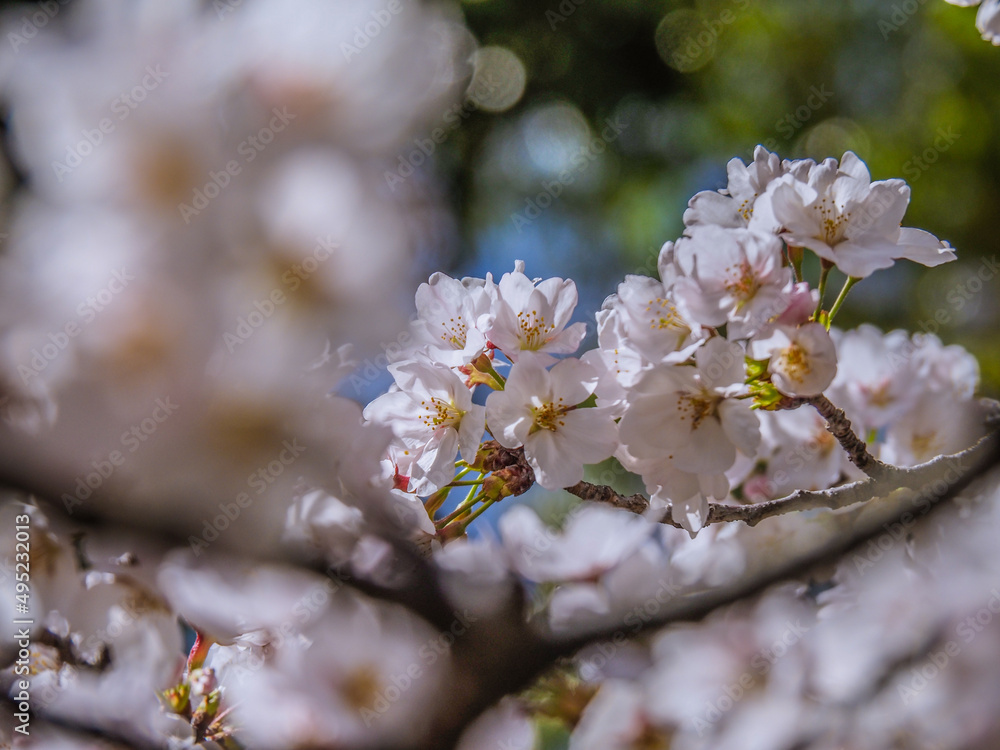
{"points": [[651, 320], [848, 220], [803, 359], [595, 539], [734, 206], [452, 316], [878, 382], [538, 409], [433, 415], [686, 415], [987, 18], [532, 316], [732, 275]]}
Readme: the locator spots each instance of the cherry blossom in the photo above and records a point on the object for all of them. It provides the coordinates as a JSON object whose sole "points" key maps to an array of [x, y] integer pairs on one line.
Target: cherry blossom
{"points": [[532, 316], [594, 540], [433, 415], [732, 275], [688, 416], [452, 318], [541, 410], [848, 220], [803, 359], [652, 322], [734, 206], [987, 18]]}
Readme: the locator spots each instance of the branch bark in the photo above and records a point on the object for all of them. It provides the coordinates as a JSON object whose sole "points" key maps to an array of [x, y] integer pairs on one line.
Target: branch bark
{"points": [[525, 652]]}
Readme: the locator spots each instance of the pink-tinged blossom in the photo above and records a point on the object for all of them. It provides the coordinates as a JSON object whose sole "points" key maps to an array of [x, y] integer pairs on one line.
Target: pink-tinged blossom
{"points": [[879, 383], [988, 21], [538, 409], [734, 206], [949, 369], [616, 361], [617, 719], [533, 315], [686, 415], [686, 493], [938, 424], [432, 414], [652, 322], [803, 359], [451, 318], [505, 727], [732, 275], [845, 218], [800, 454]]}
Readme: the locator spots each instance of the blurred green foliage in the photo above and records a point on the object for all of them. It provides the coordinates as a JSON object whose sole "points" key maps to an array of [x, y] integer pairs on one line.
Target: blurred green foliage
{"points": [[910, 86]]}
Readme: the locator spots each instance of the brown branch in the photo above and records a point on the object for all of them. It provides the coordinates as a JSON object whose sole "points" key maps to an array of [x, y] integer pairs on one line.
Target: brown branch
{"points": [[519, 652], [600, 493], [839, 426], [880, 474], [833, 499], [504, 652]]}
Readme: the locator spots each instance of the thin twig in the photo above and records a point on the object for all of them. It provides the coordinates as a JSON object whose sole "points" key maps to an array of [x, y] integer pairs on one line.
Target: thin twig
{"points": [[600, 493], [835, 498], [839, 426]]}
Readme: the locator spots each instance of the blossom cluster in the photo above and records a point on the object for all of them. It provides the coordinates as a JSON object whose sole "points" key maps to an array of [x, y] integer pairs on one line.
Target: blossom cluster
{"points": [[177, 289], [693, 370]]}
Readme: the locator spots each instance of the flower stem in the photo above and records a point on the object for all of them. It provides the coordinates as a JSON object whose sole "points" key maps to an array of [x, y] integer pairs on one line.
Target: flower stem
{"points": [[851, 281], [464, 523], [500, 380], [470, 500], [795, 259], [823, 275], [466, 482]]}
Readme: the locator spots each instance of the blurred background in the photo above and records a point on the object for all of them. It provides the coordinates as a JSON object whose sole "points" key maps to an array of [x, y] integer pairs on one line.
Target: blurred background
{"points": [[587, 125], [535, 171], [590, 123]]}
